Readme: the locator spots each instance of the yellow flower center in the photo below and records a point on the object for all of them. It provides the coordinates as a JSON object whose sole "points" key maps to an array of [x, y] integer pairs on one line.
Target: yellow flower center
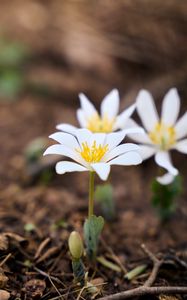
{"points": [[163, 135], [99, 124], [94, 153]]}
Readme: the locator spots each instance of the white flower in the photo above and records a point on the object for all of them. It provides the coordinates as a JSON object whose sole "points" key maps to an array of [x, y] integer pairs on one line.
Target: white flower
{"points": [[107, 121], [93, 151], [163, 134]]}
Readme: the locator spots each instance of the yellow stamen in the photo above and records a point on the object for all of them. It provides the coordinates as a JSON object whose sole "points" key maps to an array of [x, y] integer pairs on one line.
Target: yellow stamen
{"points": [[94, 153], [163, 135], [99, 124]]}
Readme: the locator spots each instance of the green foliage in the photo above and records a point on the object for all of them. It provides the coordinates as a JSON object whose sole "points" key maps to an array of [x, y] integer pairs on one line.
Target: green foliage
{"points": [[135, 272], [104, 196], [35, 149], [164, 197], [108, 264], [75, 245], [29, 227], [12, 53], [59, 224], [46, 177], [78, 271], [12, 57], [76, 249], [11, 83], [92, 230]]}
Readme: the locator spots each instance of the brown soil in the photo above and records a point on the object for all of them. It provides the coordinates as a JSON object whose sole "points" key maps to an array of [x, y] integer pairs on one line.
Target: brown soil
{"points": [[65, 198]]}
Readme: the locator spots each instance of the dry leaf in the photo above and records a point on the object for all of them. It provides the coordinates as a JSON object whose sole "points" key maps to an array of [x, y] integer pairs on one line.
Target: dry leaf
{"points": [[4, 295], [3, 242], [48, 253], [34, 288], [41, 247], [164, 297], [3, 279]]}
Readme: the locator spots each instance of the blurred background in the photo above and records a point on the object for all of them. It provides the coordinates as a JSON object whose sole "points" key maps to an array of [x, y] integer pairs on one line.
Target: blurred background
{"points": [[59, 48]]}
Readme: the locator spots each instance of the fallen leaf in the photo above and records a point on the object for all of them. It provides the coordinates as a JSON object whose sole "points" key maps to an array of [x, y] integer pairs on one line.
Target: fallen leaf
{"points": [[34, 288], [4, 295], [3, 242], [48, 253], [3, 279]]}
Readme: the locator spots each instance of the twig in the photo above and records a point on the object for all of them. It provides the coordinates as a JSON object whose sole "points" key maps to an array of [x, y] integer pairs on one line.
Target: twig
{"points": [[113, 256], [5, 259], [43, 273], [41, 247], [156, 266], [143, 290], [61, 297], [146, 289]]}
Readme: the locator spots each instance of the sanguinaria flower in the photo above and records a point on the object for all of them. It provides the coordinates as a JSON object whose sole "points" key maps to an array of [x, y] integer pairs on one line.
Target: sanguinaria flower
{"points": [[107, 121], [95, 152], [162, 134]]}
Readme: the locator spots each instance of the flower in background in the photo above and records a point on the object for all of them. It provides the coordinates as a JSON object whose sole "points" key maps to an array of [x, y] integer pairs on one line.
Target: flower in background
{"points": [[163, 134], [94, 152], [107, 121]]}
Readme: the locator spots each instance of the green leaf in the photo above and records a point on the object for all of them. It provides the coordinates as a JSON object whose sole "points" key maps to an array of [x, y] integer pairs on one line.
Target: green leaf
{"points": [[34, 150], [135, 272], [92, 230], [108, 264], [12, 53], [11, 83], [104, 196], [164, 197], [78, 271], [29, 227]]}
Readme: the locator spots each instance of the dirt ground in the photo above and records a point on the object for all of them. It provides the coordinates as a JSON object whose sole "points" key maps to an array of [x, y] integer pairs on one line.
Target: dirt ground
{"points": [[39, 209], [65, 199]]}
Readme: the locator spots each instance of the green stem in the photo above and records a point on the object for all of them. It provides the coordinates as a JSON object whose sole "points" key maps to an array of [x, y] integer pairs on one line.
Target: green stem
{"points": [[91, 195]]}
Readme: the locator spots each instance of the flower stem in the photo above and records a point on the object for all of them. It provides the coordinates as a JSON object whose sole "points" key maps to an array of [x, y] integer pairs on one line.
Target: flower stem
{"points": [[91, 195]]}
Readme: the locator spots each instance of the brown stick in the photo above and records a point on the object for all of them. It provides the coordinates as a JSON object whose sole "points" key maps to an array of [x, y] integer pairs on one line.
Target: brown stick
{"points": [[140, 291], [146, 289], [156, 266]]}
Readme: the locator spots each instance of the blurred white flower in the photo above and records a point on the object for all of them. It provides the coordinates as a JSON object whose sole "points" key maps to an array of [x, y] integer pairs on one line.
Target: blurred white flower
{"points": [[163, 134], [107, 121], [93, 151]]}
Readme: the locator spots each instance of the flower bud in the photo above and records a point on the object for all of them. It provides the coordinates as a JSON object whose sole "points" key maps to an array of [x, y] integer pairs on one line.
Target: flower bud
{"points": [[75, 245]]}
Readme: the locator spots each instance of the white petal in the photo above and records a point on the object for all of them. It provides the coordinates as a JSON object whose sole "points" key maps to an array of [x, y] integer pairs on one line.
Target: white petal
{"points": [[102, 170], [181, 127], [60, 150], [147, 110], [83, 135], [131, 124], [65, 139], [98, 137], [146, 151], [81, 118], [138, 130], [113, 139], [142, 138], [127, 159], [87, 106], [119, 150], [181, 146], [110, 104], [170, 107], [68, 166], [122, 119], [163, 160], [165, 179], [66, 128]]}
